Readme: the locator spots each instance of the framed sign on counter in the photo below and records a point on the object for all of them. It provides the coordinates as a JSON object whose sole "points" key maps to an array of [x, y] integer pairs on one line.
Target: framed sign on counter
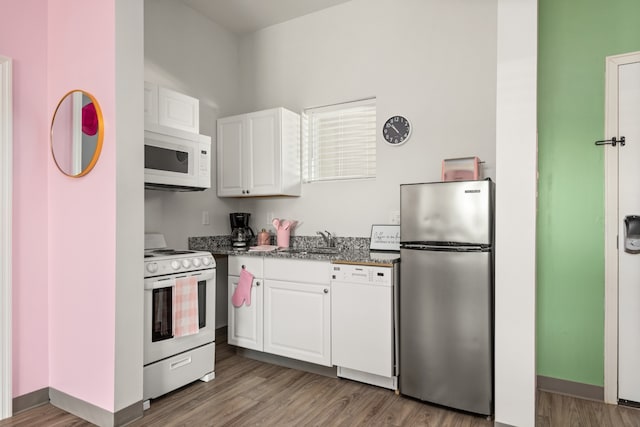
{"points": [[385, 237]]}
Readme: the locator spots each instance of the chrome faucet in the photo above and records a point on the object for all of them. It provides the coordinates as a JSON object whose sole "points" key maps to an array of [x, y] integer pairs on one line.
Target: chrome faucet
{"points": [[328, 238]]}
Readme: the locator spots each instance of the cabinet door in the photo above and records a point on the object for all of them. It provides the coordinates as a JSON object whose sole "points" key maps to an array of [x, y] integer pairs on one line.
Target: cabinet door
{"points": [[297, 321], [230, 155], [150, 103], [178, 111], [263, 159], [245, 322]]}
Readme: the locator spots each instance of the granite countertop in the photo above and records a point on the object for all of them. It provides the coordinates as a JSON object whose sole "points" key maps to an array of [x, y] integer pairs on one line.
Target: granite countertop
{"points": [[351, 250]]}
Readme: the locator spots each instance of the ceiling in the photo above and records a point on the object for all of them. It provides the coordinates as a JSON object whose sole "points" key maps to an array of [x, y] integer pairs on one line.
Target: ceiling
{"points": [[248, 16]]}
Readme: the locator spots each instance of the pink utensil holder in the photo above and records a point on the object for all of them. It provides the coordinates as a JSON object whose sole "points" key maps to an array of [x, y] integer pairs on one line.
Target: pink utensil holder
{"points": [[282, 238]]}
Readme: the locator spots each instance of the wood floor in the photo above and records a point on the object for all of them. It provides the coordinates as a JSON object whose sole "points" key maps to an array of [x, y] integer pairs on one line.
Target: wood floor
{"points": [[247, 392]]}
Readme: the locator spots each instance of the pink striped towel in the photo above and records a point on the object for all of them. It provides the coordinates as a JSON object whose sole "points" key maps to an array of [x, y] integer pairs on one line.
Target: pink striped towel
{"points": [[185, 307]]}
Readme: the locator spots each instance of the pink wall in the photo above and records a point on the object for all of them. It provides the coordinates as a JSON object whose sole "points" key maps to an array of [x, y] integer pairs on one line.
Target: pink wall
{"points": [[23, 37], [82, 233], [63, 228]]}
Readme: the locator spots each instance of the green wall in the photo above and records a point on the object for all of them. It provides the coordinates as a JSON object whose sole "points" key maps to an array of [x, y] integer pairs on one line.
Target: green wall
{"points": [[575, 36]]}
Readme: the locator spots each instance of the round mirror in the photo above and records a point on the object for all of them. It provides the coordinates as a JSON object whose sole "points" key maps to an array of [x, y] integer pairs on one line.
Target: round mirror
{"points": [[76, 133]]}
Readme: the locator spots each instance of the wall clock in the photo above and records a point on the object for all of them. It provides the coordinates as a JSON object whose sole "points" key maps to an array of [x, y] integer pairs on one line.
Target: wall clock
{"points": [[396, 130]]}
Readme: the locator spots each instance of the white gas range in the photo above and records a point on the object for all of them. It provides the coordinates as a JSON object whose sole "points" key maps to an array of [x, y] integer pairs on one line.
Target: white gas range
{"points": [[173, 278]]}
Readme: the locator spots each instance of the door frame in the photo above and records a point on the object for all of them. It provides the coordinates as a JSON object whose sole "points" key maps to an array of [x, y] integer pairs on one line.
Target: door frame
{"points": [[6, 186], [611, 226]]}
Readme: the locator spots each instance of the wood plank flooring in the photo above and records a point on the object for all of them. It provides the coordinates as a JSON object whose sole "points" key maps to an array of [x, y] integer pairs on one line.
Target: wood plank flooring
{"points": [[247, 392]]}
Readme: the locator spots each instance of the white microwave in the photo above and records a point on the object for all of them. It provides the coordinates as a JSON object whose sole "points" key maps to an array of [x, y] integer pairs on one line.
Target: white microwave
{"points": [[177, 163]]}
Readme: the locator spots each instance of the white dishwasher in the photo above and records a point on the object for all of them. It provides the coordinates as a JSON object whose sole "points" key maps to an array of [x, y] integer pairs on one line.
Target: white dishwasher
{"points": [[363, 332]]}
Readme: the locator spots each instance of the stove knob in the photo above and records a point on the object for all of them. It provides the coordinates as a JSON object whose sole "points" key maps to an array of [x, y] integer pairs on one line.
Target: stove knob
{"points": [[152, 267], [196, 262], [175, 265], [206, 261], [186, 263]]}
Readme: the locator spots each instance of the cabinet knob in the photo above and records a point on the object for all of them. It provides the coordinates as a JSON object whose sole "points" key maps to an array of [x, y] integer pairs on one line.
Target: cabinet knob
{"points": [[244, 192], [257, 283], [247, 191], [326, 291]]}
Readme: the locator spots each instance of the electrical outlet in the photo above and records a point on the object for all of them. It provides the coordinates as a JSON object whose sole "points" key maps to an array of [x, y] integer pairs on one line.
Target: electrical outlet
{"points": [[205, 217], [395, 217]]}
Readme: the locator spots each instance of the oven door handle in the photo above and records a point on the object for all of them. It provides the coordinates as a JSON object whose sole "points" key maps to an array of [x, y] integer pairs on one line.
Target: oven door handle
{"points": [[159, 284], [167, 282]]}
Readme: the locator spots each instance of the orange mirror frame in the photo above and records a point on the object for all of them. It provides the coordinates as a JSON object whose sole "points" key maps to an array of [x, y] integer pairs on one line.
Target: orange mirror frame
{"points": [[77, 132]]}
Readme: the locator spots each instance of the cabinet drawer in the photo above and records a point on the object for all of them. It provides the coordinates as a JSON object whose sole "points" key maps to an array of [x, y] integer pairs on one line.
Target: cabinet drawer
{"points": [[251, 263], [297, 270]]}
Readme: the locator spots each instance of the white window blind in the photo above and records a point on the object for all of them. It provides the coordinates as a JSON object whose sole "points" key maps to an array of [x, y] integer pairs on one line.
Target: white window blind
{"points": [[339, 141]]}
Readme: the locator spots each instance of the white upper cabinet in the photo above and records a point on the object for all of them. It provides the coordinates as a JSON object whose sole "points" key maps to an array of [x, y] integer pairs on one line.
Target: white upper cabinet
{"points": [[166, 108], [259, 154], [150, 104]]}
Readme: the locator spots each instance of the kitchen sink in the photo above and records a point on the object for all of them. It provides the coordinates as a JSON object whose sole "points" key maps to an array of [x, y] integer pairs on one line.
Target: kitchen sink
{"points": [[320, 250], [323, 250], [291, 250]]}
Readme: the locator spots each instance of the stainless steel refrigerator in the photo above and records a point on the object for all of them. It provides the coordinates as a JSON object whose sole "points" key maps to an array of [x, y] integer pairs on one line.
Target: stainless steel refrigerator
{"points": [[446, 293]]}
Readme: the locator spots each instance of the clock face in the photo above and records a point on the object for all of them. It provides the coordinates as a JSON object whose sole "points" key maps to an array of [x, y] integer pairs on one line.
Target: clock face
{"points": [[396, 130]]}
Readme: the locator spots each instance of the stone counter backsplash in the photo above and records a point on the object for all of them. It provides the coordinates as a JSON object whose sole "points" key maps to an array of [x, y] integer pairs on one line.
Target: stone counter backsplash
{"points": [[295, 242], [351, 250]]}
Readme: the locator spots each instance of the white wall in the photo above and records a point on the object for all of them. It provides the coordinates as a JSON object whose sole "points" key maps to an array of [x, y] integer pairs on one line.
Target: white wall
{"points": [[516, 149], [435, 62], [432, 61], [189, 53]]}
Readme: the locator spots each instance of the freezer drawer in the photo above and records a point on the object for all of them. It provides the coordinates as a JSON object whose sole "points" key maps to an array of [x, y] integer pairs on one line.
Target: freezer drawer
{"points": [[458, 212], [446, 328]]}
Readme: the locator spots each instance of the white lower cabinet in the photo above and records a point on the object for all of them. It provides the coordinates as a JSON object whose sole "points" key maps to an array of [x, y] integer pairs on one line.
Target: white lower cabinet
{"points": [[297, 321], [290, 310], [245, 322]]}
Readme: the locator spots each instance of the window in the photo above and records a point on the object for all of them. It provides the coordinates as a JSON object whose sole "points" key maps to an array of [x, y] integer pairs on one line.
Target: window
{"points": [[339, 141]]}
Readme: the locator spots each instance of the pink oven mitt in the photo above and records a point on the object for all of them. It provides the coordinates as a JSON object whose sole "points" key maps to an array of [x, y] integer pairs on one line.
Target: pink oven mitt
{"points": [[242, 294]]}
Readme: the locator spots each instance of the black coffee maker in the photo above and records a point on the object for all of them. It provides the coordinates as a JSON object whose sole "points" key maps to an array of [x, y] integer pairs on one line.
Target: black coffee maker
{"points": [[241, 233]]}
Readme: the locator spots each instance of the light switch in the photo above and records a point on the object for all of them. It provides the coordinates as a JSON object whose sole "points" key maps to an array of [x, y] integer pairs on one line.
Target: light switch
{"points": [[205, 217]]}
